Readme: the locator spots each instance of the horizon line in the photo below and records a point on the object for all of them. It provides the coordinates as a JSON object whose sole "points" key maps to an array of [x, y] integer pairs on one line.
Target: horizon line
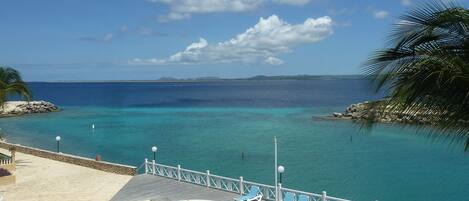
{"points": [[203, 79]]}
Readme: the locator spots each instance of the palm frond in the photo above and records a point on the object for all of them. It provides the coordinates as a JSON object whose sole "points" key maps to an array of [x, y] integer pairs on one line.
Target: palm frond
{"points": [[425, 68], [11, 84]]}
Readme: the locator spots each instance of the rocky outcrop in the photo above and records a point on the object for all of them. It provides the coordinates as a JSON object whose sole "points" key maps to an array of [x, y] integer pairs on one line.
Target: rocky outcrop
{"points": [[14, 108], [366, 111]]}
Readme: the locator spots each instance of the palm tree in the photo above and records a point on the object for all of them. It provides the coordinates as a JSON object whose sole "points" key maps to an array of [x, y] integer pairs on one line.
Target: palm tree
{"points": [[11, 83], [425, 69]]}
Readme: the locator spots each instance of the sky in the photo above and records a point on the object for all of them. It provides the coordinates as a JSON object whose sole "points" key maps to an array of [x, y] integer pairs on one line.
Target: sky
{"points": [[61, 40]]}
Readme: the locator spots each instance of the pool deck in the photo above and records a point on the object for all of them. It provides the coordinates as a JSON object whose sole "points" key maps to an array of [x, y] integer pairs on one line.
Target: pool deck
{"points": [[154, 188]]}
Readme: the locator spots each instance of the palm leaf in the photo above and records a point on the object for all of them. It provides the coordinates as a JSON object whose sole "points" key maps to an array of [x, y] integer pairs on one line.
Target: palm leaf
{"points": [[11, 84], [425, 68]]}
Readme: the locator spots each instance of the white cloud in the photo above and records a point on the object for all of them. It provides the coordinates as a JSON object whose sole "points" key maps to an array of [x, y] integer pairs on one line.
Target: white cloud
{"points": [[261, 43], [380, 14], [273, 61], [292, 2], [406, 2], [183, 9]]}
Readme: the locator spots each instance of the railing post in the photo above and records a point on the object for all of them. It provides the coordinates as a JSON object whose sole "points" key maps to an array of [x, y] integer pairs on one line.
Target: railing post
{"points": [[324, 196], [179, 172], [208, 179], [154, 167], [280, 192], [241, 186], [146, 166]]}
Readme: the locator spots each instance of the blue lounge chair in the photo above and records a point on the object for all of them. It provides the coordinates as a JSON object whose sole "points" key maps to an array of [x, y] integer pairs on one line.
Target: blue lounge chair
{"points": [[303, 198], [254, 194], [289, 197]]}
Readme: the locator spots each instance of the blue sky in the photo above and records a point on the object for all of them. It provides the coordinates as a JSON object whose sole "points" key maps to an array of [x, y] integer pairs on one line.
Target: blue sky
{"points": [[147, 39]]}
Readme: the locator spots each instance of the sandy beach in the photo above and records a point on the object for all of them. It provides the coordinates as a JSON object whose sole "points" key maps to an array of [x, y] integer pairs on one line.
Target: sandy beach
{"points": [[42, 179]]}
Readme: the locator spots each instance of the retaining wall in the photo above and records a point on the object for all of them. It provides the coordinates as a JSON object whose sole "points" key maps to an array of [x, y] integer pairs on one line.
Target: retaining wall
{"points": [[72, 159]]}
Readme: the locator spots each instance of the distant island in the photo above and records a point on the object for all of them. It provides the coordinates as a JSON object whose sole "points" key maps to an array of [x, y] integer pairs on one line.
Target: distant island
{"points": [[261, 77], [215, 79]]}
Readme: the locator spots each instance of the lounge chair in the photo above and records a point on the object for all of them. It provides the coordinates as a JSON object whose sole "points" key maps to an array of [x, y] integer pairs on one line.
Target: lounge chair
{"points": [[254, 194], [303, 198], [289, 197]]}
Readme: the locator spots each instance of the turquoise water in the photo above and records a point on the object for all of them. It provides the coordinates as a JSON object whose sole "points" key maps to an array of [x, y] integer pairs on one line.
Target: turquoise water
{"points": [[388, 163], [209, 125]]}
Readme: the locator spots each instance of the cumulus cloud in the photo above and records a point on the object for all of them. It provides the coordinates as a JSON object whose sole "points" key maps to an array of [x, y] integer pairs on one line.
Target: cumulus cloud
{"points": [[183, 9], [273, 61], [261, 43], [380, 14]]}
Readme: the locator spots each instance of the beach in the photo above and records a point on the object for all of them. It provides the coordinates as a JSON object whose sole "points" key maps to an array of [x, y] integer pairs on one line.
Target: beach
{"points": [[42, 179]]}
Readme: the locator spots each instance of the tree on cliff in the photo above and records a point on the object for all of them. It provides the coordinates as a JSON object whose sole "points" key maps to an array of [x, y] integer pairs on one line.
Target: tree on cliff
{"points": [[11, 84], [425, 70]]}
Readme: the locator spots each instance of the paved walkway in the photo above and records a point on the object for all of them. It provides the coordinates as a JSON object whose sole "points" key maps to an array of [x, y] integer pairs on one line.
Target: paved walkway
{"points": [[41, 179], [154, 188]]}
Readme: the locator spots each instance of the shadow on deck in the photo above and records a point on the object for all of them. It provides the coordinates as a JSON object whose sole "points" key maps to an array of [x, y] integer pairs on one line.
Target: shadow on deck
{"points": [[154, 188]]}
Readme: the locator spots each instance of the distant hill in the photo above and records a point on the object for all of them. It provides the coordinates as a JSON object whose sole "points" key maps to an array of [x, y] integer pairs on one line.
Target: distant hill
{"points": [[264, 77], [214, 79], [304, 77]]}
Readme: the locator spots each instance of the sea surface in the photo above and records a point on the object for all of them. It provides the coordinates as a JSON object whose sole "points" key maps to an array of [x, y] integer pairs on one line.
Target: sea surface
{"points": [[209, 125]]}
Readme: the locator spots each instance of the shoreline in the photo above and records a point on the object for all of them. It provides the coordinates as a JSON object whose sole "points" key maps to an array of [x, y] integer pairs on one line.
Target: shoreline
{"points": [[365, 111]]}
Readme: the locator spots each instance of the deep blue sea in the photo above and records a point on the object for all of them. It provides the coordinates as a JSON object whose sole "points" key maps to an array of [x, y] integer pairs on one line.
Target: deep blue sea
{"points": [[207, 125]]}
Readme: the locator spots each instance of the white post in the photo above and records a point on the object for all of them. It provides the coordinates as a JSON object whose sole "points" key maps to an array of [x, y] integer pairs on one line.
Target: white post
{"points": [[241, 186], [154, 167], [146, 166], [275, 168], [280, 192], [208, 178], [324, 196], [179, 172]]}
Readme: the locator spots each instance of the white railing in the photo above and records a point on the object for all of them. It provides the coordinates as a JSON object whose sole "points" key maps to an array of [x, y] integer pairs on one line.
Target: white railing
{"points": [[238, 186], [5, 161]]}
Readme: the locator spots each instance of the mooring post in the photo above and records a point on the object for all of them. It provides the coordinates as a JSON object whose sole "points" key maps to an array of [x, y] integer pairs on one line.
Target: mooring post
{"points": [[280, 192], [241, 186], [146, 165], [179, 172], [208, 178], [154, 167]]}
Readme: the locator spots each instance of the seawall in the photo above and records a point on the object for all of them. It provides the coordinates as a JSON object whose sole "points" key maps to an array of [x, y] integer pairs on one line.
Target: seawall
{"points": [[72, 159]]}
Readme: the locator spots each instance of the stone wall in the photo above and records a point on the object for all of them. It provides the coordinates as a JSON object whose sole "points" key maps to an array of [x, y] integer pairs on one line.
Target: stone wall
{"points": [[15, 108], [72, 159]]}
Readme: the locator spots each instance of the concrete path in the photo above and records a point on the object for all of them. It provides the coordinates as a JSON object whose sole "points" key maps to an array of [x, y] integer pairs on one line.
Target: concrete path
{"points": [[154, 188], [41, 179]]}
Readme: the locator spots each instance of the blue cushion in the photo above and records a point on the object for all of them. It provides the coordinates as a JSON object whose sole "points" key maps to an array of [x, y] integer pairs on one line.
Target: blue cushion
{"points": [[303, 198], [289, 197]]}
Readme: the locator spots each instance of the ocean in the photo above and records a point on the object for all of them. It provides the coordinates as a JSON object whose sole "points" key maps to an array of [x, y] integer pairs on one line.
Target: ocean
{"points": [[209, 125]]}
